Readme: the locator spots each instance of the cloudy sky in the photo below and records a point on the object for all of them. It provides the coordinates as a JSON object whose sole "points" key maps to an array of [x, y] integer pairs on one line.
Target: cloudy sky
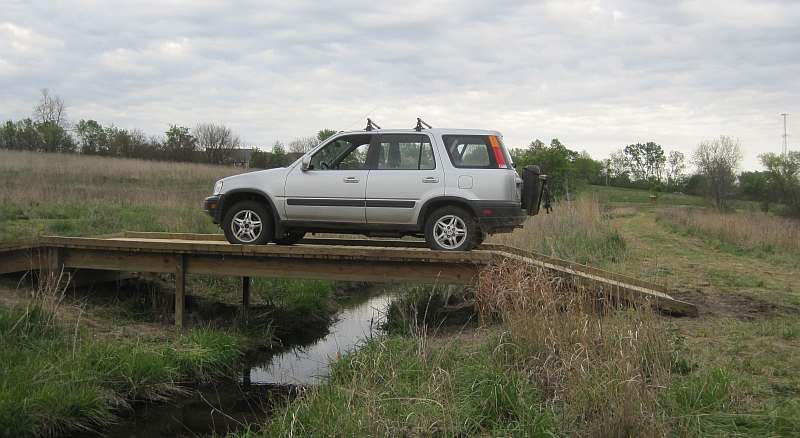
{"points": [[596, 74]]}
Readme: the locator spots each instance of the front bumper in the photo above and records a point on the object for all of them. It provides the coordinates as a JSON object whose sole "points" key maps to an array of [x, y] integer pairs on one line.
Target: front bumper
{"points": [[212, 205], [498, 216]]}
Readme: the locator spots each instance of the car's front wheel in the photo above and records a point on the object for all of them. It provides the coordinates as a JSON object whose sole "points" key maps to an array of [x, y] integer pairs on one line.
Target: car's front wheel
{"points": [[247, 223], [451, 229]]}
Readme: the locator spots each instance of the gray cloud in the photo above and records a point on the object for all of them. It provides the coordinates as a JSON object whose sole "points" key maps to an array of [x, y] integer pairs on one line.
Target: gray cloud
{"points": [[596, 74]]}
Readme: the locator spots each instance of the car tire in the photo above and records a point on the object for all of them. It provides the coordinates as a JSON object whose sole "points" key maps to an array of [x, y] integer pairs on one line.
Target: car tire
{"points": [[451, 228], [248, 223], [290, 238]]}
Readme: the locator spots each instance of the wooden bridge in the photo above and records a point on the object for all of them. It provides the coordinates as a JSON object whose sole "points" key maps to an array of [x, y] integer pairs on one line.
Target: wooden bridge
{"points": [[392, 260]]}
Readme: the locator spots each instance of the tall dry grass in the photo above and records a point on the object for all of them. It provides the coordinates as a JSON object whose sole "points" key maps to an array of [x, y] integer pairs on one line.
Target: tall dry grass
{"points": [[600, 365], [76, 194], [749, 230], [577, 231]]}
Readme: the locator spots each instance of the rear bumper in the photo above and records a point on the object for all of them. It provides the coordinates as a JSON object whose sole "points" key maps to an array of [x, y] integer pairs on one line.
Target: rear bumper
{"points": [[212, 205], [498, 216]]}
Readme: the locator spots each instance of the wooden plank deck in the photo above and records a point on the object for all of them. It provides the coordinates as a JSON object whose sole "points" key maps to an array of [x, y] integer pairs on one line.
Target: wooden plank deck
{"points": [[384, 260]]}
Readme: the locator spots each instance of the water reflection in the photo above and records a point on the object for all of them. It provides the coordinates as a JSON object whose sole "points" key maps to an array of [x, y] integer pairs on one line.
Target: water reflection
{"points": [[309, 365]]}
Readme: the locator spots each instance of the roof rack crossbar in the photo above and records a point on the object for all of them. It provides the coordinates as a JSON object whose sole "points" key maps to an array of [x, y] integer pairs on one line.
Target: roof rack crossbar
{"points": [[420, 124]]}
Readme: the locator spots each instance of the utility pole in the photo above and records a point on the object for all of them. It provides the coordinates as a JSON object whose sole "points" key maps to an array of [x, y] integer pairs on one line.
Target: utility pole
{"points": [[785, 135]]}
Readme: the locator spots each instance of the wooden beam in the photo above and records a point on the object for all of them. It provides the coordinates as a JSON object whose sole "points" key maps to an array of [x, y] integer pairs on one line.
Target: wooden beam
{"points": [[119, 260], [334, 270], [19, 260], [180, 290]]}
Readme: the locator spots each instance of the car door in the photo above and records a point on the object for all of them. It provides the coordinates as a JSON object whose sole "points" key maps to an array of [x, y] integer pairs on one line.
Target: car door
{"points": [[404, 174], [333, 188]]}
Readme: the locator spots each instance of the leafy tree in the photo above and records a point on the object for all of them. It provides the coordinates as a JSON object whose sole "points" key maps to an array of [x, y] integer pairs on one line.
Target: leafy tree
{"points": [[556, 160], [755, 186], [676, 164], [645, 160], [618, 168], [55, 138], [279, 158], [587, 169], [325, 134], [91, 137], [696, 185], [179, 144], [120, 142], [259, 159], [28, 136], [8, 136], [784, 178], [717, 160]]}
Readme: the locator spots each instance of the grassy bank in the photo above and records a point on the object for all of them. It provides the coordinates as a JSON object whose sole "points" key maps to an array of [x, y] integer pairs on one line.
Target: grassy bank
{"points": [[56, 378]]}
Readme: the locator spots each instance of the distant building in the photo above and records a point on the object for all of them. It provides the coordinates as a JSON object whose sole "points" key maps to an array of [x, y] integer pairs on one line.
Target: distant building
{"points": [[240, 157]]}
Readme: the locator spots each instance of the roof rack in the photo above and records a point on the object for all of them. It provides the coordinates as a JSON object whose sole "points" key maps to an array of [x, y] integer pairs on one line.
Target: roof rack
{"points": [[420, 124], [371, 125]]}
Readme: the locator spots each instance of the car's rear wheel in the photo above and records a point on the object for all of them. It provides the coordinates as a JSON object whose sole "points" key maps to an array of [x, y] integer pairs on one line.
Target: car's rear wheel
{"points": [[451, 228], [290, 238], [247, 223]]}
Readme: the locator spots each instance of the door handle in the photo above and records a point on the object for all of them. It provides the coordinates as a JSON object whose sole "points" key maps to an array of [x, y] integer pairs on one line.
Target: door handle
{"points": [[430, 179], [351, 179]]}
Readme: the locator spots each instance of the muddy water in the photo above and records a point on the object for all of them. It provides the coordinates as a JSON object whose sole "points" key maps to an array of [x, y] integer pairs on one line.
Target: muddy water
{"points": [[230, 406]]}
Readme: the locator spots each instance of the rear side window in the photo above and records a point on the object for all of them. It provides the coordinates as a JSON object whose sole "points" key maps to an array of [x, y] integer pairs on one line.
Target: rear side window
{"points": [[405, 152], [476, 151], [468, 150]]}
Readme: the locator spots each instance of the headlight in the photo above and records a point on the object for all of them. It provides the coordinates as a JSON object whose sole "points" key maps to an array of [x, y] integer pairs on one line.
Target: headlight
{"points": [[217, 187]]}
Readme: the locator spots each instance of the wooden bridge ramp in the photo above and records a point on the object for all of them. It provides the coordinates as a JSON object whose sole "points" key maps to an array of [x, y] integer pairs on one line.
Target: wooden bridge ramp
{"points": [[388, 260]]}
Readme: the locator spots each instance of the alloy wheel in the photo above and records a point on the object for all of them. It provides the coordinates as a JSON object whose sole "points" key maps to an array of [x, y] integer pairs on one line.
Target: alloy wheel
{"points": [[450, 231], [246, 226]]}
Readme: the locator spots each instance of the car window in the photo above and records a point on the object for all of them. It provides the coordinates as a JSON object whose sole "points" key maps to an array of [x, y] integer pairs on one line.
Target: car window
{"points": [[344, 153], [405, 152], [469, 150]]}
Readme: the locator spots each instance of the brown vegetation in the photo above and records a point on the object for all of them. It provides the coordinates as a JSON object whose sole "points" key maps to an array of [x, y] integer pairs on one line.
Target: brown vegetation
{"points": [[575, 231], [748, 230], [81, 195], [602, 366]]}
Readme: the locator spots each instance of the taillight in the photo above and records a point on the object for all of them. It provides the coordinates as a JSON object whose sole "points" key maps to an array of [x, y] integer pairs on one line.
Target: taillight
{"points": [[499, 156]]}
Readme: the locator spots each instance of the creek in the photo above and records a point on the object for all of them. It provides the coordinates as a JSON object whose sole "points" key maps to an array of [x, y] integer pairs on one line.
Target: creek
{"points": [[233, 404]]}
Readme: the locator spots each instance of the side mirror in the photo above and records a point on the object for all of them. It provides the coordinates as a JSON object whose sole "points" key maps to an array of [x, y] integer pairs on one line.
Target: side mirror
{"points": [[305, 164]]}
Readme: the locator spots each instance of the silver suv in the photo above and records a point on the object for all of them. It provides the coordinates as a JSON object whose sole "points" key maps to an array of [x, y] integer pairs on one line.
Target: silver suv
{"points": [[450, 186]]}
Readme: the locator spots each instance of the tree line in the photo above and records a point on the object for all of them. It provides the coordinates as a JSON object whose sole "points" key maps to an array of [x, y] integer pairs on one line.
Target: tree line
{"points": [[49, 130], [648, 166]]}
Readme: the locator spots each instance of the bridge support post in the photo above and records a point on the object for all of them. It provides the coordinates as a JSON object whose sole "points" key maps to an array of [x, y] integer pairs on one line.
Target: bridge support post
{"points": [[180, 290], [50, 275], [245, 297]]}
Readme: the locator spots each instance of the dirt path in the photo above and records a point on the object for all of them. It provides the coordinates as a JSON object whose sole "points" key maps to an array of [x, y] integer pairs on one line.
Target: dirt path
{"points": [[721, 283]]}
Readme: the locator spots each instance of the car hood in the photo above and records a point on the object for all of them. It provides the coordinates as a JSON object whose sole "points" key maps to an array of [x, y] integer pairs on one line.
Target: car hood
{"points": [[261, 178]]}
